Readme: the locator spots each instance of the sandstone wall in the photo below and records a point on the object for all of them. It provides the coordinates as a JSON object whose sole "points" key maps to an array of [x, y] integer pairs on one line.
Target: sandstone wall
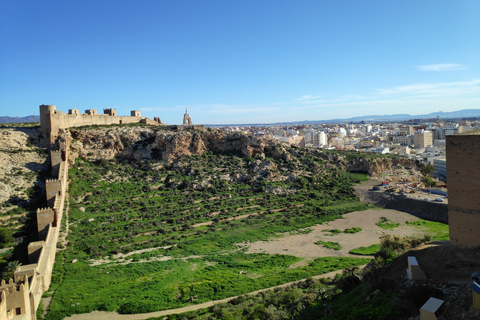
{"points": [[20, 297], [463, 178]]}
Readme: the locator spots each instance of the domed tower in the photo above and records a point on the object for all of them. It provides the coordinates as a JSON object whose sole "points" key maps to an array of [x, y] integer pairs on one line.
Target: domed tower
{"points": [[186, 117]]}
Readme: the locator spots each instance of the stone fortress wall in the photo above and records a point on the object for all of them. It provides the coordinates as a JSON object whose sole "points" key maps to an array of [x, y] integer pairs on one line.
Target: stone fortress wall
{"points": [[20, 296], [52, 120]]}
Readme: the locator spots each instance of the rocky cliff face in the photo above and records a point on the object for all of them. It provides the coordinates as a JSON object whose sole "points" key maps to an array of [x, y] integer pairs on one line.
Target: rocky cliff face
{"points": [[142, 143], [165, 144], [375, 167]]}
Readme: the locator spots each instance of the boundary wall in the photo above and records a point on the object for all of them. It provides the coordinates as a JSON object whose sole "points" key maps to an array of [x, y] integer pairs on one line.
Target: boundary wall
{"points": [[52, 120], [20, 296]]}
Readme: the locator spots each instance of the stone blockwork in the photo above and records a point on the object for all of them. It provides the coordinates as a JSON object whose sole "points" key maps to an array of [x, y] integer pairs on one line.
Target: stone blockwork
{"points": [[52, 120], [463, 178], [20, 297]]}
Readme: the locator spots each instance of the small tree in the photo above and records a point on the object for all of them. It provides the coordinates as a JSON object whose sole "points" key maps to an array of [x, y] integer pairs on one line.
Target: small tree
{"points": [[430, 182], [10, 269], [427, 170], [6, 237]]}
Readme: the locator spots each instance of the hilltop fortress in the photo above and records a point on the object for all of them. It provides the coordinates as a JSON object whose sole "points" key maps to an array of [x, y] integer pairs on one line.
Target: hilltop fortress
{"points": [[52, 120], [20, 296]]}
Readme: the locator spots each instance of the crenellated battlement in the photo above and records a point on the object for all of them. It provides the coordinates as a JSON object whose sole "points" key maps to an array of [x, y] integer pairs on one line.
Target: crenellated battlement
{"points": [[20, 296], [56, 158], [54, 189], [52, 120]]}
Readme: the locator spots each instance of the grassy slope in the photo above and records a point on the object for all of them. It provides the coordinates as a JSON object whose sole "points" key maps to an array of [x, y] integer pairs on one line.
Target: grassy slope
{"points": [[115, 209]]}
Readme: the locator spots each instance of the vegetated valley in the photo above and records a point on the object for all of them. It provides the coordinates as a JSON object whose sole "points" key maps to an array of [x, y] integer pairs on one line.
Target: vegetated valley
{"points": [[188, 223], [160, 219]]}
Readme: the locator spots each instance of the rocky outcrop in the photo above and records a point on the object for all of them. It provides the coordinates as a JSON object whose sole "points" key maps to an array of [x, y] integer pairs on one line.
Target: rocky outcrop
{"points": [[166, 144], [375, 167], [141, 143]]}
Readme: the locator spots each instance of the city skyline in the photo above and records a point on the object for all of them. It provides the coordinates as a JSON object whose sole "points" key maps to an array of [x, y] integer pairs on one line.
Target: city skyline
{"points": [[249, 62]]}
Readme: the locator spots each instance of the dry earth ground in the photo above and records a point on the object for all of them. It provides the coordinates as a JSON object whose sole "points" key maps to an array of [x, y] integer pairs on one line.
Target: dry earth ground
{"points": [[303, 245]]}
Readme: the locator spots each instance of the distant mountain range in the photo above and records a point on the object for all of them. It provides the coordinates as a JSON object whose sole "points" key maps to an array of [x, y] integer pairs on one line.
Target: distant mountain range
{"points": [[465, 113], [5, 119]]}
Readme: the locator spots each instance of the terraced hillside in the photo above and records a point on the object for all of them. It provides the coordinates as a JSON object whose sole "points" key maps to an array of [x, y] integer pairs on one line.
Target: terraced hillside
{"points": [[148, 235]]}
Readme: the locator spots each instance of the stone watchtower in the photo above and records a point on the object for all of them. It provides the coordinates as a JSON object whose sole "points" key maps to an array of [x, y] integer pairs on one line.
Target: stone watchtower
{"points": [[463, 177], [186, 117]]}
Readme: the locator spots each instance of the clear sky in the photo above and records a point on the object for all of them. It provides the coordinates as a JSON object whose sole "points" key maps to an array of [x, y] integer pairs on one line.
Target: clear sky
{"points": [[240, 61]]}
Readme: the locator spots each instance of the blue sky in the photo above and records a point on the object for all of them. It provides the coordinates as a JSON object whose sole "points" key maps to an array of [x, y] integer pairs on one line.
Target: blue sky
{"points": [[240, 61]]}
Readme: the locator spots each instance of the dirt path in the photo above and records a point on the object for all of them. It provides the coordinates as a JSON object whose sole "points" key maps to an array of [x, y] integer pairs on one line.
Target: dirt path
{"points": [[102, 315], [242, 216]]}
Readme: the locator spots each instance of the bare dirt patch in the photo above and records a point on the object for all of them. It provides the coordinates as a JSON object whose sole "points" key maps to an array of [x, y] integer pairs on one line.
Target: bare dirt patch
{"points": [[303, 245]]}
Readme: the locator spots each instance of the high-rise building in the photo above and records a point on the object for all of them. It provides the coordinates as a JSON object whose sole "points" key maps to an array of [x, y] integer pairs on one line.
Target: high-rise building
{"points": [[320, 139], [422, 139]]}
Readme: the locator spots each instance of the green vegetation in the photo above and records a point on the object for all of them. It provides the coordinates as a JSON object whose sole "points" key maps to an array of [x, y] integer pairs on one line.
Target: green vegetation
{"points": [[198, 221], [20, 125], [157, 285], [438, 230], [352, 230], [6, 237], [367, 294], [330, 244], [367, 251], [331, 232], [385, 223]]}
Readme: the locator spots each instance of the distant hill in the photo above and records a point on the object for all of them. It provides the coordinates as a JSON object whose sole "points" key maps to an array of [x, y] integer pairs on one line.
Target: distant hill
{"points": [[465, 113], [32, 118]]}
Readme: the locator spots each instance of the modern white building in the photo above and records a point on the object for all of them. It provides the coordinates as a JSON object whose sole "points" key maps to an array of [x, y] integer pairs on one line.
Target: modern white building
{"points": [[440, 166]]}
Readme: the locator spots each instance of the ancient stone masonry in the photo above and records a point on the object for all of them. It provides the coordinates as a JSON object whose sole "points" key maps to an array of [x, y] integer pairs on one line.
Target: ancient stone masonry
{"points": [[52, 120], [463, 178], [20, 296]]}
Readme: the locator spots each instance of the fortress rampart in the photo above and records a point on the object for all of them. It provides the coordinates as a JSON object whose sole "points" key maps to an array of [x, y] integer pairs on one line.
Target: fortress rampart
{"points": [[52, 120], [20, 296]]}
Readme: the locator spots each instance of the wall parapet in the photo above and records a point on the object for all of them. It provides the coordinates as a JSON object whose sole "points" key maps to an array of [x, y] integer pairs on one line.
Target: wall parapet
{"points": [[52, 120], [20, 296]]}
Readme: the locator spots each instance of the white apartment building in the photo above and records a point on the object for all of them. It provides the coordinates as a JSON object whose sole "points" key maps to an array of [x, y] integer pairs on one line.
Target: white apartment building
{"points": [[320, 139], [341, 133]]}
